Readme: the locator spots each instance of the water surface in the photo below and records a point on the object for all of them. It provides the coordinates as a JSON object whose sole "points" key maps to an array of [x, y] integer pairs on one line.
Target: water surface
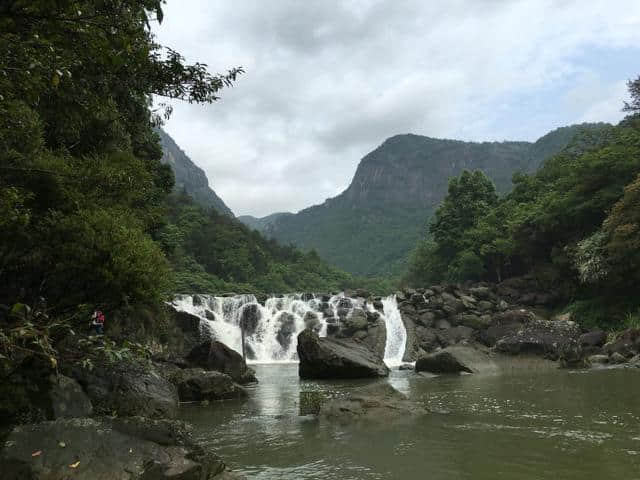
{"points": [[543, 424]]}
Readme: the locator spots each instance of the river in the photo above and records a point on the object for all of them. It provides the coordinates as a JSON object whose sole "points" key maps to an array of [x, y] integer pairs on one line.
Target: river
{"points": [[524, 424]]}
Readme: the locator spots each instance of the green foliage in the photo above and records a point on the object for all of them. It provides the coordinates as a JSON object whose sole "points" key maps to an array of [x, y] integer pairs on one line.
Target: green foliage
{"points": [[212, 252], [574, 224], [81, 185]]}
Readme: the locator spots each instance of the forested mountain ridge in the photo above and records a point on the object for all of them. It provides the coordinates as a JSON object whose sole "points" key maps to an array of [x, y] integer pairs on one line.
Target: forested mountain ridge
{"points": [[188, 176], [370, 228]]}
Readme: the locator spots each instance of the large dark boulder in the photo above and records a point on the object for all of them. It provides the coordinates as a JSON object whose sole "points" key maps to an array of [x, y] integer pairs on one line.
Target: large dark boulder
{"points": [[376, 337], [107, 449], [441, 362], [457, 359], [214, 355], [547, 338], [33, 392], [195, 384], [357, 320], [322, 358], [128, 389], [286, 329]]}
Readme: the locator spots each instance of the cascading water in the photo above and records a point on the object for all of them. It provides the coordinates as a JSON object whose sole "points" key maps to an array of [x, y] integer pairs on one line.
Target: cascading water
{"points": [[272, 329]]}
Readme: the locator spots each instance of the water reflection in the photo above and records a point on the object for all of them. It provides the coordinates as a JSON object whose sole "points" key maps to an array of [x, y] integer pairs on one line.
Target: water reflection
{"points": [[518, 425]]}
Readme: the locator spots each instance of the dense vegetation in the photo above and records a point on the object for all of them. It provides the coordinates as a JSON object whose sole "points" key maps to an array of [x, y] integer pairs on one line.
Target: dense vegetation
{"points": [[574, 224], [86, 216], [371, 227], [212, 252]]}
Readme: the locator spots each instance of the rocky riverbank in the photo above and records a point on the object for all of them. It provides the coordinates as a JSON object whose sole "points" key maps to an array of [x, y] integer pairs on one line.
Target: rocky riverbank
{"points": [[114, 419]]}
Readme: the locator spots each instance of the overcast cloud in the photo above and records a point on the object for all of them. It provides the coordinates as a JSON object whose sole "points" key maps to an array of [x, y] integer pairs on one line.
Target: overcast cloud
{"points": [[328, 81]]}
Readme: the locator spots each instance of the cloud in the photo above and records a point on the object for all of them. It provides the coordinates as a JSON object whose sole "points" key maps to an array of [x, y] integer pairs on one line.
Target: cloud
{"points": [[327, 81]]}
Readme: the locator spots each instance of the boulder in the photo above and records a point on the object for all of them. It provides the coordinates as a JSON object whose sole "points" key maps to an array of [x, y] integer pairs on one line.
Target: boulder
{"points": [[379, 402], [33, 392], [596, 338], [250, 318], [598, 359], [376, 337], [441, 362], [107, 449], [546, 338], [626, 343], [128, 389], [287, 328], [457, 359], [311, 321], [427, 319], [357, 320], [442, 324], [617, 358], [427, 339], [455, 335], [213, 355], [322, 358], [195, 385]]}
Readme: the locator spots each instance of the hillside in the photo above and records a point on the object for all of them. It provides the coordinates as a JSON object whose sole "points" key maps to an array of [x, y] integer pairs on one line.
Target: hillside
{"points": [[260, 223], [189, 177], [370, 228]]}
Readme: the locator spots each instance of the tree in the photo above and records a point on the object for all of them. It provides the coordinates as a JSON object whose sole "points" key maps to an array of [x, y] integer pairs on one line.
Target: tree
{"points": [[633, 107], [77, 148]]}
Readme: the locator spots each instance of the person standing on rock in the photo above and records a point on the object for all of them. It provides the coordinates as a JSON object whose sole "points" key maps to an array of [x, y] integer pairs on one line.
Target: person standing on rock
{"points": [[97, 322]]}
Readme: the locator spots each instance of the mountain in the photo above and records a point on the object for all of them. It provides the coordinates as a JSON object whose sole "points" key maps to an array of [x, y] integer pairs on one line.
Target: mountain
{"points": [[189, 177], [261, 223], [370, 228]]}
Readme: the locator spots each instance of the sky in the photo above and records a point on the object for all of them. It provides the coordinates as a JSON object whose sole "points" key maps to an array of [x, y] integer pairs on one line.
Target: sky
{"points": [[328, 81]]}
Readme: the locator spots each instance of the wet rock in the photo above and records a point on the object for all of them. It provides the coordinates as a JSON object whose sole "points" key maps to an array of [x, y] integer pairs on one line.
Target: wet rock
{"points": [[441, 362], [209, 315], [305, 297], [195, 385], [345, 302], [377, 403], [213, 355], [457, 359], [107, 449], [249, 318], [376, 337], [378, 305], [322, 358], [372, 317], [311, 321], [287, 328]]}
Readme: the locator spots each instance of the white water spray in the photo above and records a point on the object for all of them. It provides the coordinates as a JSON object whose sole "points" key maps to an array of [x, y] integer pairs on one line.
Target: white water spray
{"points": [[274, 327]]}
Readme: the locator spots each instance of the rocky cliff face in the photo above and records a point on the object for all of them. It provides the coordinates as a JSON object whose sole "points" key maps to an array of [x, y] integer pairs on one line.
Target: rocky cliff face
{"points": [[190, 177], [371, 227]]}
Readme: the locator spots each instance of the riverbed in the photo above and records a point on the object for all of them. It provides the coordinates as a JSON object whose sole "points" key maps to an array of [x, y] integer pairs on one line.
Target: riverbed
{"points": [[524, 424]]}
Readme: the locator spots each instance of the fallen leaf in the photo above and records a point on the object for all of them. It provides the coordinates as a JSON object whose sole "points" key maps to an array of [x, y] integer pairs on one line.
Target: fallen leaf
{"points": [[75, 465], [36, 454]]}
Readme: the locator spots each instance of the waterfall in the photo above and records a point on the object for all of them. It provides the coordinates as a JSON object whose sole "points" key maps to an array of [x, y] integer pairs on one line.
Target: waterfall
{"points": [[271, 330]]}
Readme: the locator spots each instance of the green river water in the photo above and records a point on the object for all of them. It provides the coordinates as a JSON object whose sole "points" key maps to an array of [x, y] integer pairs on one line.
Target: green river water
{"points": [[526, 424]]}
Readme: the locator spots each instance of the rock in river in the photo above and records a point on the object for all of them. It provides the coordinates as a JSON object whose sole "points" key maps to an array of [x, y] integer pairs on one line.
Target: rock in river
{"points": [[337, 358], [212, 355], [456, 359], [379, 402]]}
